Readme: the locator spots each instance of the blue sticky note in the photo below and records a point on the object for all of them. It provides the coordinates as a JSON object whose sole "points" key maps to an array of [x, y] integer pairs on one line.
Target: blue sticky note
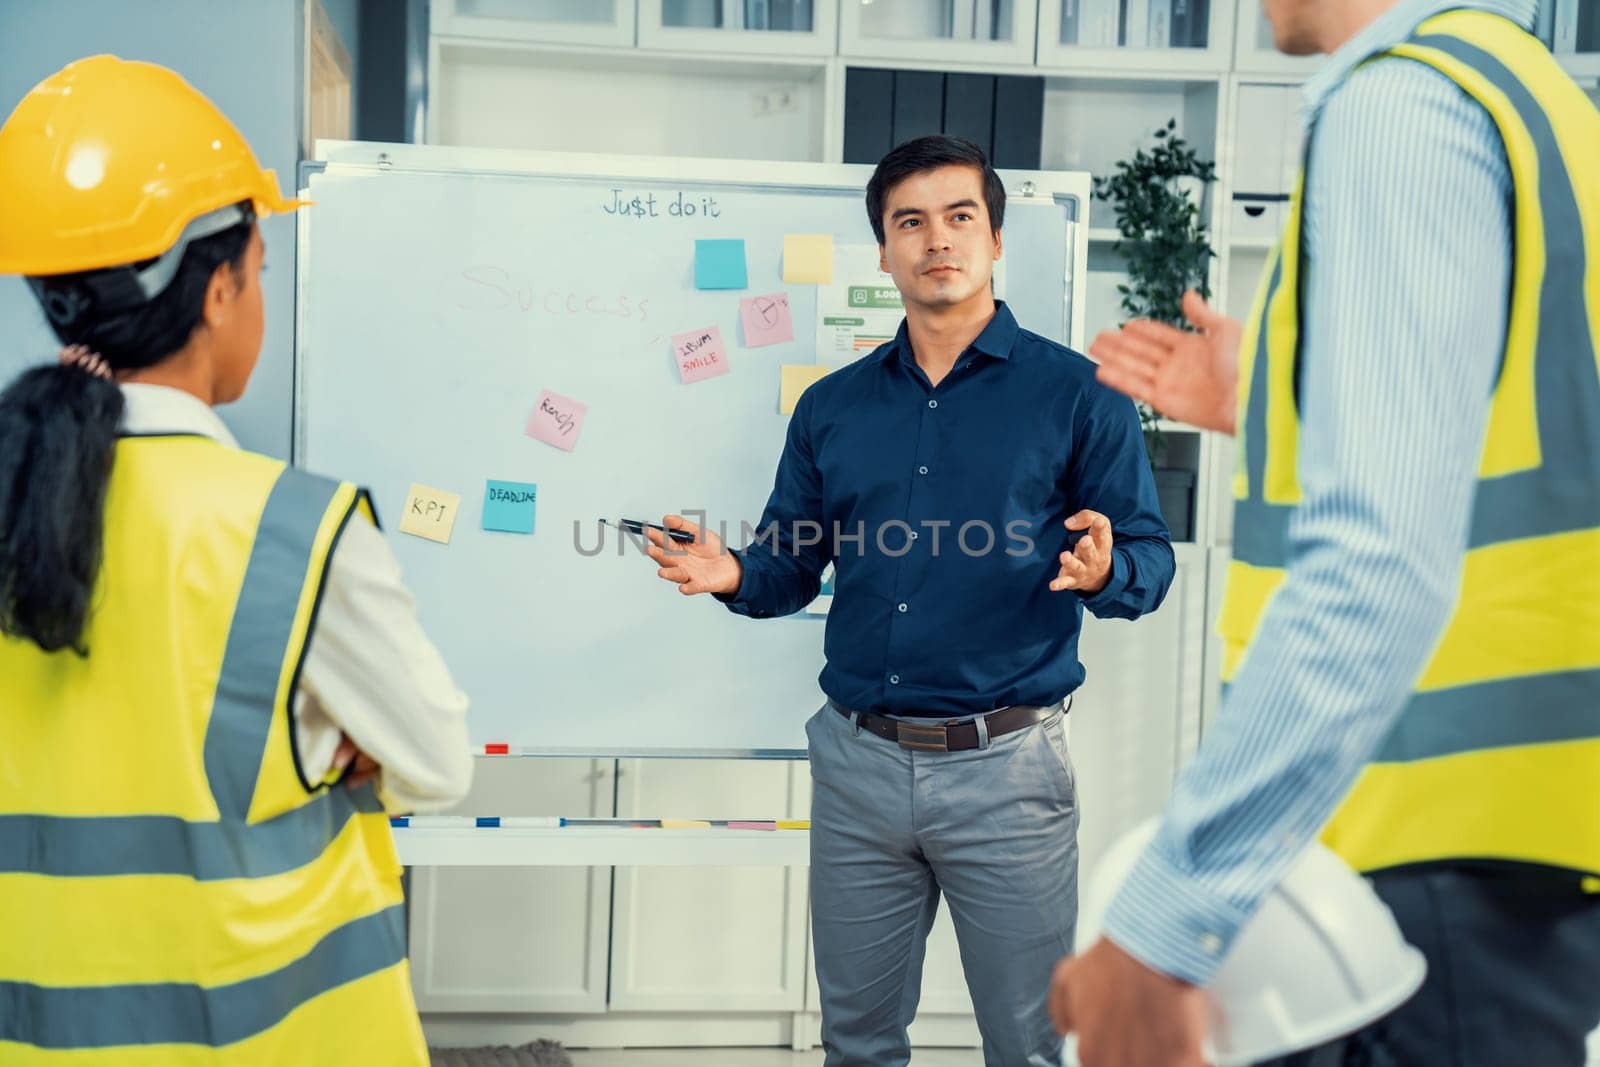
{"points": [[719, 265], [509, 506]]}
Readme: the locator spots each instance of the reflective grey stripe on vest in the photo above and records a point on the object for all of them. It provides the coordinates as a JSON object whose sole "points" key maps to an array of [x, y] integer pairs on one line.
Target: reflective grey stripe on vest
{"points": [[1261, 532], [180, 1013], [1561, 494], [1532, 710], [1558, 496], [258, 641], [1255, 410], [101, 846]]}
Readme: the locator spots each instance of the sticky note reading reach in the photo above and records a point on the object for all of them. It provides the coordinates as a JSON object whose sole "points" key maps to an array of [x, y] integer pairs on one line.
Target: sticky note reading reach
{"points": [[509, 506], [685, 824], [808, 258], [430, 513], [700, 354], [796, 379], [719, 265], [557, 420], [766, 320]]}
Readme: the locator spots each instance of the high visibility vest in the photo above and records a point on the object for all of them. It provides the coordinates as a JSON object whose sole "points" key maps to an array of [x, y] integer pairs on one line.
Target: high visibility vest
{"points": [[1496, 755], [173, 890]]}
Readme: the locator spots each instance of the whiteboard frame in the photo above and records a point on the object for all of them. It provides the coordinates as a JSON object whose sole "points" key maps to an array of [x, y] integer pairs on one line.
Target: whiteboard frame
{"points": [[1069, 188]]}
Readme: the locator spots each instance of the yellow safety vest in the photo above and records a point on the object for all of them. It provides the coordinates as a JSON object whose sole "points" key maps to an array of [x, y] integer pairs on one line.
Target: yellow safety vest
{"points": [[172, 890], [1496, 755]]}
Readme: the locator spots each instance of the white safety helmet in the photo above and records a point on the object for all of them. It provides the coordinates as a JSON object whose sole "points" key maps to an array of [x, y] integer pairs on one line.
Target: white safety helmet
{"points": [[1322, 957]]}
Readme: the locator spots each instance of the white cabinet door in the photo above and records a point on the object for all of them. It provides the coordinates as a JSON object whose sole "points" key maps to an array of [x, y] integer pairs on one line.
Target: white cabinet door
{"points": [[934, 31], [517, 939], [709, 939], [740, 27], [629, 101], [596, 22], [1136, 719], [1134, 36]]}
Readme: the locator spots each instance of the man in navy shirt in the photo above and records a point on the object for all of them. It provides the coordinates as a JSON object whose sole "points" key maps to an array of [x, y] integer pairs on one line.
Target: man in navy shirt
{"points": [[946, 476]]}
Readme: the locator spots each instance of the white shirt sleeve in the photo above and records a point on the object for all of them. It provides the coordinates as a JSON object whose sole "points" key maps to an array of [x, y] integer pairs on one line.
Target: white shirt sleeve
{"points": [[372, 673]]}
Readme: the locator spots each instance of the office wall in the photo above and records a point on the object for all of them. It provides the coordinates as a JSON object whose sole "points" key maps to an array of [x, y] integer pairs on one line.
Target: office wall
{"points": [[246, 55]]}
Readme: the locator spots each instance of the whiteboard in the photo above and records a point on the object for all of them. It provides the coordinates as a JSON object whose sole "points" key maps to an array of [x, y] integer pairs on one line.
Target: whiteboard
{"points": [[442, 290]]}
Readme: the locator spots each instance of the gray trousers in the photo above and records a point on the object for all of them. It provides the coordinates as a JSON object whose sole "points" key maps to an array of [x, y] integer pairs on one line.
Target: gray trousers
{"points": [[994, 830]]}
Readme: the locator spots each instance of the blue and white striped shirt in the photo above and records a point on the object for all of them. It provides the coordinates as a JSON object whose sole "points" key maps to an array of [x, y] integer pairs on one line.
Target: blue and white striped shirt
{"points": [[1409, 243]]}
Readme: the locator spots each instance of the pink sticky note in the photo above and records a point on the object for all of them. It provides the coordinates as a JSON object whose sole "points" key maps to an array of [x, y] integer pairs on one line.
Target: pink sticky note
{"points": [[557, 420], [700, 354], [766, 320]]}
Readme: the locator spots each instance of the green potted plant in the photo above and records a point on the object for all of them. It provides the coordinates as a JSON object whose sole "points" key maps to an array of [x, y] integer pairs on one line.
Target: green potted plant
{"points": [[1157, 197]]}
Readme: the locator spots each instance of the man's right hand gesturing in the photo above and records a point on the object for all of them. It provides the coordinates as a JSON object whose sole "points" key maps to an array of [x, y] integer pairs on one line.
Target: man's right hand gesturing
{"points": [[1187, 376], [700, 566]]}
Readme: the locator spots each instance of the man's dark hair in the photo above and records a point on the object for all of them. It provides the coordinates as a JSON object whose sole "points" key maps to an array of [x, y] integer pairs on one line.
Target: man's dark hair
{"points": [[931, 153]]}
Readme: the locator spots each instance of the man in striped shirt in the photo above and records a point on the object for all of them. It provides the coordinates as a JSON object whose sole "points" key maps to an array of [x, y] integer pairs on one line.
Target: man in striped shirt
{"points": [[1414, 567]]}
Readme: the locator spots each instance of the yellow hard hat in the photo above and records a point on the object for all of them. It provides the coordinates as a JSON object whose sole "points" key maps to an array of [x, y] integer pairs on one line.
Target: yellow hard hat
{"points": [[107, 162]]}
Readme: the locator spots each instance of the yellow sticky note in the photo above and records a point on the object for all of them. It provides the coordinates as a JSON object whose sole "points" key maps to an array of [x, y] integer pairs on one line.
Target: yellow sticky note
{"points": [[808, 258], [794, 824], [797, 378], [685, 824], [430, 513]]}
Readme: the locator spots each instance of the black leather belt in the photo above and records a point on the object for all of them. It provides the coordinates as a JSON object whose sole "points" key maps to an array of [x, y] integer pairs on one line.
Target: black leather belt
{"points": [[949, 735]]}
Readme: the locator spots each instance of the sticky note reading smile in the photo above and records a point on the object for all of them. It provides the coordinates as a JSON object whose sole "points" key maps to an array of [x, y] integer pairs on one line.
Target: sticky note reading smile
{"points": [[557, 420], [430, 513], [700, 355]]}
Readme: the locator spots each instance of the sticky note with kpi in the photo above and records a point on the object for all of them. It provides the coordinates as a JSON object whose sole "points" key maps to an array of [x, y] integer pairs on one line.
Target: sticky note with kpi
{"points": [[700, 355], [557, 420], [766, 320], [719, 265], [808, 258], [430, 513], [509, 506], [796, 379]]}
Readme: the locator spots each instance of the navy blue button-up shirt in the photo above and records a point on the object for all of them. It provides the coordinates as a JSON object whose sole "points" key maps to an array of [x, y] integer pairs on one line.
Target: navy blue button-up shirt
{"points": [[942, 510]]}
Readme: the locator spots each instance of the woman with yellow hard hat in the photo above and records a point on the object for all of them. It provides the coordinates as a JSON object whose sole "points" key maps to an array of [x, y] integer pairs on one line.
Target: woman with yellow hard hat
{"points": [[212, 681]]}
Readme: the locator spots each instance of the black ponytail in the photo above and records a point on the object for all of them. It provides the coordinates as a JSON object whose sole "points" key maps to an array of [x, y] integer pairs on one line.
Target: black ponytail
{"points": [[58, 429], [58, 435]]}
